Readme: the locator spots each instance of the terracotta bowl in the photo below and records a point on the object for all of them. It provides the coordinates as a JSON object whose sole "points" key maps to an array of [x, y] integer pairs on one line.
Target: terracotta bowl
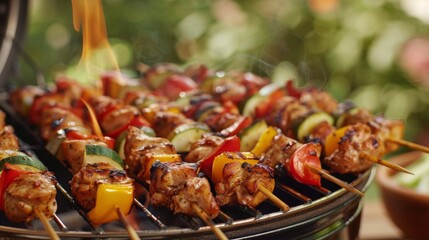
{"points": [[408, 209]]}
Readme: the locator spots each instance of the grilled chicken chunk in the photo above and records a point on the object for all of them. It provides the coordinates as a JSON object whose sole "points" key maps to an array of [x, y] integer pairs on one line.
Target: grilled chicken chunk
{"points": [[84, 184], [203, 148], [280, 151], [73, 152], [8, 139], [22, 98], [165, 122], [358, 140], [285, 113], [319, 100], [240, 184], [320, 133], [138, 145], [30, 191], [118, 117], [55, 119], [177, 186], [384, 129]]}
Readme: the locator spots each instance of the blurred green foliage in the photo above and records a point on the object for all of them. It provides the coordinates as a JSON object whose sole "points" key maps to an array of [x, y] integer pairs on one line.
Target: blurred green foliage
{"points": [[350, 49]]}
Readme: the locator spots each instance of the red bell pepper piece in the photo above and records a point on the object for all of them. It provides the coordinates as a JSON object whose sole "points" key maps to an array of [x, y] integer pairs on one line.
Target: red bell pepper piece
{"points": [[136, 121], [74, 134], [292, 90], [230, 144], [265, 107], [307, 154], [241, 123], [8, 175], [107, 109]]}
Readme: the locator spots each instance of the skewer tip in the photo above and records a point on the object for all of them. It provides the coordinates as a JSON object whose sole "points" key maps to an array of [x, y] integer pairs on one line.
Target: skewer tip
{"points": [[273, 198], [385, 163], [46, 224], [335, 180]]}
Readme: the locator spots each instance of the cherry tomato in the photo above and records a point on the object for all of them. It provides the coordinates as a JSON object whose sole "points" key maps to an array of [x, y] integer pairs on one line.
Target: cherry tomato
{"points": [[230, 144], [307, 154], [241, 123]]}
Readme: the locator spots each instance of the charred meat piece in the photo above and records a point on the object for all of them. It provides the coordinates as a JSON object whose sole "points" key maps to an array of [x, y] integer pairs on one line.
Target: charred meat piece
{"points": [[165, 122], [57, 118], [101, 104], [29, 191], [84, 184], [177, 186], [8, 139], [319, 100], [196, 191], [320, 133], [22, 98], [203, 148], [138, 145], [219, 119], [240, 184], [280, 151], [356, 115], [384, 129], [73, 152], [286, 113], [120, 116], [347, 158]]}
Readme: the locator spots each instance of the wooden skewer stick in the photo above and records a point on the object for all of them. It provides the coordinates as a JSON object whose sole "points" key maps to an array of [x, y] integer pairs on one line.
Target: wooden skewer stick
{"points": [[273, 198], [385, 163], [52, 233], [209, 222], [335, 180], [131, 232], [409, 144]]}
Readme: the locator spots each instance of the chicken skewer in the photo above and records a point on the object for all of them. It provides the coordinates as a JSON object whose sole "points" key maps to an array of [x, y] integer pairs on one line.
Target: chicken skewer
{"points": [[275, 148], [165, 123], [20, 174], [188, 190], [77, 165], [73, 151]]}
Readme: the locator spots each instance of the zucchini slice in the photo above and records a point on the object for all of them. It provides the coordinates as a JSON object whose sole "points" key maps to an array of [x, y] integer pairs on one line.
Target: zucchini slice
{"points": [[97, 153], [9, 153], [184, 135], [54, 142], [24, 162], [250, 135], [307, 126], [255, 100]]}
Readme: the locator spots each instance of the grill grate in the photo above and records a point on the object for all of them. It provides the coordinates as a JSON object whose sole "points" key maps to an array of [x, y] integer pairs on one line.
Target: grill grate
{"points": [[312, 209]]}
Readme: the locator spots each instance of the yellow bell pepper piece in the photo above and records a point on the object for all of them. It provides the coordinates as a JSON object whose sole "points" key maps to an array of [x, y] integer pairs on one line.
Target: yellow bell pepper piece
{"points": [[332, 140], [150, 159], [227, 157], [264, 141], [110, 196]]}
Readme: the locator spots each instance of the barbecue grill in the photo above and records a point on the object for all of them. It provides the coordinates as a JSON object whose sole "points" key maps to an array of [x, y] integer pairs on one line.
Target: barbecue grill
{"points": [[321, 213]]}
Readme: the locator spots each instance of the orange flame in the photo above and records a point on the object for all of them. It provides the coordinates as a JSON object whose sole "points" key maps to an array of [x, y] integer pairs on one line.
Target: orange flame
{"points": [[88, 15]]}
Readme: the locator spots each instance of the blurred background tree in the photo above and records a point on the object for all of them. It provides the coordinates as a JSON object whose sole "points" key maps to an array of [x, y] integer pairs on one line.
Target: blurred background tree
{"points": [[350, 48]]}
